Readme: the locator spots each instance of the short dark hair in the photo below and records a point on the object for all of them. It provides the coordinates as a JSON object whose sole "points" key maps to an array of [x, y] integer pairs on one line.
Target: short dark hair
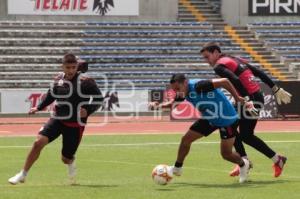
{"points": [[83, 66], [180, 78], [69, 58], [211, 47]]}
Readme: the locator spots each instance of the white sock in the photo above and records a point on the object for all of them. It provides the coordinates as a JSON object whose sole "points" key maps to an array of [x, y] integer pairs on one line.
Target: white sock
{"points": [[72, 171], [72, 164], [24, 173], [72, 167], [275, 158]]}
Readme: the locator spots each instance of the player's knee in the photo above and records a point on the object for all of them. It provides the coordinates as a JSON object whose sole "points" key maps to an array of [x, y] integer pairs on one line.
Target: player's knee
{"points": [[39, 144], [185, 140]]}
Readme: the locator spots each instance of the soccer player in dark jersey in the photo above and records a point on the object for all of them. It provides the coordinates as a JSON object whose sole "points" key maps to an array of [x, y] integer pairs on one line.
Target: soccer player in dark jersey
{"points": [[76, 97], [217, 113], [242, 76]]}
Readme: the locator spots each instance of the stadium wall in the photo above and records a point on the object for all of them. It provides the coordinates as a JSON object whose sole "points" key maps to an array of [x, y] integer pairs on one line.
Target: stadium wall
{"points": [[237, 13], [149, 10], [20, 101]]}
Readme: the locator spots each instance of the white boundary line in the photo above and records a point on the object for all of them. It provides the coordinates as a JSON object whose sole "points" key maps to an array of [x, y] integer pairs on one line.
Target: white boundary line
{"points": [[146, 144], [140, 133], [252, 173]]}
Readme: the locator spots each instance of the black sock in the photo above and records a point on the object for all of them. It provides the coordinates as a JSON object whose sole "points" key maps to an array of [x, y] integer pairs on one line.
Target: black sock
{"points": [[178, 164], [242, 164], [239, 147]]}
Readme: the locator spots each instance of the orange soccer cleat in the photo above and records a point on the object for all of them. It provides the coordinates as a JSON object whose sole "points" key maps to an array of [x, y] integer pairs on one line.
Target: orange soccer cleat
{"points": [[278, 166]]}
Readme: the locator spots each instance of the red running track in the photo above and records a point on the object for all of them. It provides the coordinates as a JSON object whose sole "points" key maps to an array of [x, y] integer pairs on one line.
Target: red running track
{"points": [[143, 125]]}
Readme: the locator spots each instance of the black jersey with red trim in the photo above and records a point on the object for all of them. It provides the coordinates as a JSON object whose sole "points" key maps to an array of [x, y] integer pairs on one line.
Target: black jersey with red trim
{"points": [[69, 96], [241, 74]]}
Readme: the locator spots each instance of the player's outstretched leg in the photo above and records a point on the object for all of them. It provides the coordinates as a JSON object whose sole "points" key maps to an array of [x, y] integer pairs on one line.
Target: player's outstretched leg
{"points": [[32, 156], [184, 148]]}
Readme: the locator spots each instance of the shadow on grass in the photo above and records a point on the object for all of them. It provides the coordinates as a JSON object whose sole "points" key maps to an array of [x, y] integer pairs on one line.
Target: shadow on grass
{"points": [[164, 189], [249, 184], [98, 186], [93, 185]]}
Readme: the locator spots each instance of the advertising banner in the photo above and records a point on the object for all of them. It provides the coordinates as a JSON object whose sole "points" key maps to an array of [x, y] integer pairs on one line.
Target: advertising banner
{"points": [[274, 7], [74, 7]]}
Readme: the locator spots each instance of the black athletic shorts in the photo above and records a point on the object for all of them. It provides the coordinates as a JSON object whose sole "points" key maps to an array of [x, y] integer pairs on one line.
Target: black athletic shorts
{"points": [[205, 128], [71, 135]]}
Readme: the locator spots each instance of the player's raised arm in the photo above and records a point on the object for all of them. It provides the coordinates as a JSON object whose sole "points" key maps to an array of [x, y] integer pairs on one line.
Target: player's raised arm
{"points": [[178, 84]]}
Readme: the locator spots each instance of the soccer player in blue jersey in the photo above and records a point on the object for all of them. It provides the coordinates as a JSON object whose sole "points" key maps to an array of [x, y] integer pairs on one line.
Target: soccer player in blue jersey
{"points": [[217, 113]]}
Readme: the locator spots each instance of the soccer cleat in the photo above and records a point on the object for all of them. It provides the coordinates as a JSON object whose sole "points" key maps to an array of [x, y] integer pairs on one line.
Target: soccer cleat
{"points": [[177, 171], [18, 178], [278, 166], [236, 170], [244, 170]]}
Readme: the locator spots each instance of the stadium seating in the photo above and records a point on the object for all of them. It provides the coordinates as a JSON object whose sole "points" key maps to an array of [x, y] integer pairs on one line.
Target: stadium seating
{"points": [[168, 50], [283, 39], [146, 53], [276, 25], [210, 10], [102, 24], [129, 51], [110, 41]]}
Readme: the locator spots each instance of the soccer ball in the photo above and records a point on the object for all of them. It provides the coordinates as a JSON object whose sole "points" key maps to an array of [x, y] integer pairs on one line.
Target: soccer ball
{"points": [[162, 174]]}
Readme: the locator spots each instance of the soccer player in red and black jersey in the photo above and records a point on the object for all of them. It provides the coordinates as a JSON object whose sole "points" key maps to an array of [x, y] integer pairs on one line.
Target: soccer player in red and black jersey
{"points": [[76, 97], [242, 76]]}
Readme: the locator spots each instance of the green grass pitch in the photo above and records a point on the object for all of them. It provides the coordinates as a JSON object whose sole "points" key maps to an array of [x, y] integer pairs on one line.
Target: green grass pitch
{"points": [[119, 167]]}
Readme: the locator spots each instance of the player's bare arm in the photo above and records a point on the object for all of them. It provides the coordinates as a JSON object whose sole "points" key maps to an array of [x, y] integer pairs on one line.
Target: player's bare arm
{"points": [[157, 105], [83, 113], [225, 83], [33, 110]]}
